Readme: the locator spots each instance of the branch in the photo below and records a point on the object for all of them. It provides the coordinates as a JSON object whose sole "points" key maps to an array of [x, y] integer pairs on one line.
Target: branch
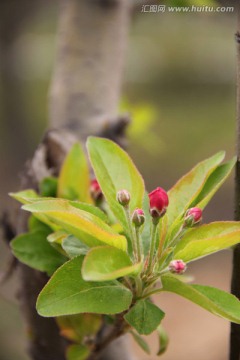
{"points": [[235, 284]]}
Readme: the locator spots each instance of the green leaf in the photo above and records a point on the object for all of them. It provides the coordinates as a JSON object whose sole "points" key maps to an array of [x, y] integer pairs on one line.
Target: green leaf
{"points": [[30, 196], [190, 185], [213, 183], [74, 247], [108, 263], [77, 352], [67, 293], [48, 187], [90, 208], [144, 316], [56, 239], [89, 228], [25, 196], [74, 180], [34, 224], [216, 301], [34, 250], [115, 171], [163, 340], [141, 342], [77, 327], [207, 239]]}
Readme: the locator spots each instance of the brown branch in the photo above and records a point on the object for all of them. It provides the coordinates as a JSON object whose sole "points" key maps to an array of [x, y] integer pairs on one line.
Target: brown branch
{"points": [[235, 284]]}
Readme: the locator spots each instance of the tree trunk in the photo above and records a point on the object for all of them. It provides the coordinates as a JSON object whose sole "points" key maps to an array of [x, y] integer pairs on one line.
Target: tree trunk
{"points": [[235, 285], [84, 98], [86, 85]]}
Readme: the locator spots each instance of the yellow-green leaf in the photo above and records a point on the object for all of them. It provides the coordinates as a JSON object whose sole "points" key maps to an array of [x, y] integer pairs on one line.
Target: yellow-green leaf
{"points": [[207, 239], [214, 300], [182, 194], [107, 263], [115, 171], [74, 180], [89, 228]]}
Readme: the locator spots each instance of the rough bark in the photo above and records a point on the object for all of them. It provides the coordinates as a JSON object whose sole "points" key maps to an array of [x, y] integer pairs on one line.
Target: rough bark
{"points": [[235, 285], [84, 100]]}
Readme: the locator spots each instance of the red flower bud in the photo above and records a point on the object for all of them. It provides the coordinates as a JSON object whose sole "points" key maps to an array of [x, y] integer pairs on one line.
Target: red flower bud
{"points": [[138, 217], [177, 266], [193, 216], [158, 202], [95, 189], [123, 197]]}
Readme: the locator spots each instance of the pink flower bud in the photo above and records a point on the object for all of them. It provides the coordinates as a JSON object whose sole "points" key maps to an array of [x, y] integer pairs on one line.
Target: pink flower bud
{"points": [[193, 216], [177, 266], [95, 189], [138, 217], [158, 202], [123, 197]]}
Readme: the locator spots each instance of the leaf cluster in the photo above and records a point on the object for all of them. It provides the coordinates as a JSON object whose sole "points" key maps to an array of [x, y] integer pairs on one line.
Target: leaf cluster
{"points": [[88, 247]]}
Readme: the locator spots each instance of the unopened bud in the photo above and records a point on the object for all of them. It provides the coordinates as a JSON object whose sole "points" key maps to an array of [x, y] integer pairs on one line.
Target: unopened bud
{"points": [[95, 189], [192, 217], [158, 202], [177, 266], [138, 217], [123, 197]]}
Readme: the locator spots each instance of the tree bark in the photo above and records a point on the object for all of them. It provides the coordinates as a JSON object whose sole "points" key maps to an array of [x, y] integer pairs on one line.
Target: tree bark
{"points": [[84, 98], [235, 284], [86, 85]]}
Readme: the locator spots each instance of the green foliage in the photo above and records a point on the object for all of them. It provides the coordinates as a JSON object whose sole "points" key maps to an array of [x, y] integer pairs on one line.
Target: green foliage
{"points": [[207, 239], [216, 301], [163, 340], [77, 352], [67, 293], [115, 267], [76, 327], [108, 263], [73, 246], [89, 228], [183, 193], [115, 171], [144, 316], [33, 250], [74, 180], [141, 342], [48, 187]]}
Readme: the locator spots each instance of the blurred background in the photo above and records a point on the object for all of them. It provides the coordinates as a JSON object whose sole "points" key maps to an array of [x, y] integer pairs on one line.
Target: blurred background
{"points": [[179, 87]]}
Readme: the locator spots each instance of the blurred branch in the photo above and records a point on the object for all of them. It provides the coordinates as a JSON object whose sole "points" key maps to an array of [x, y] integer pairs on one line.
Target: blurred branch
{"points": [[235, 285]]}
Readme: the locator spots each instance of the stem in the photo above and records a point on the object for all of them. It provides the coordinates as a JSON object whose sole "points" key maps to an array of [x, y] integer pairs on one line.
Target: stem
{"points": [[152, 246], [137, 236], [131, 233], [138, 286], [174, 240], [152, 292]]}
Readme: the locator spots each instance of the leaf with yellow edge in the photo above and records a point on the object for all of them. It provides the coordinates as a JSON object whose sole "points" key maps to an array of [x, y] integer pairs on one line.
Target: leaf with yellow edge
{"points": [[89, 228]]}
